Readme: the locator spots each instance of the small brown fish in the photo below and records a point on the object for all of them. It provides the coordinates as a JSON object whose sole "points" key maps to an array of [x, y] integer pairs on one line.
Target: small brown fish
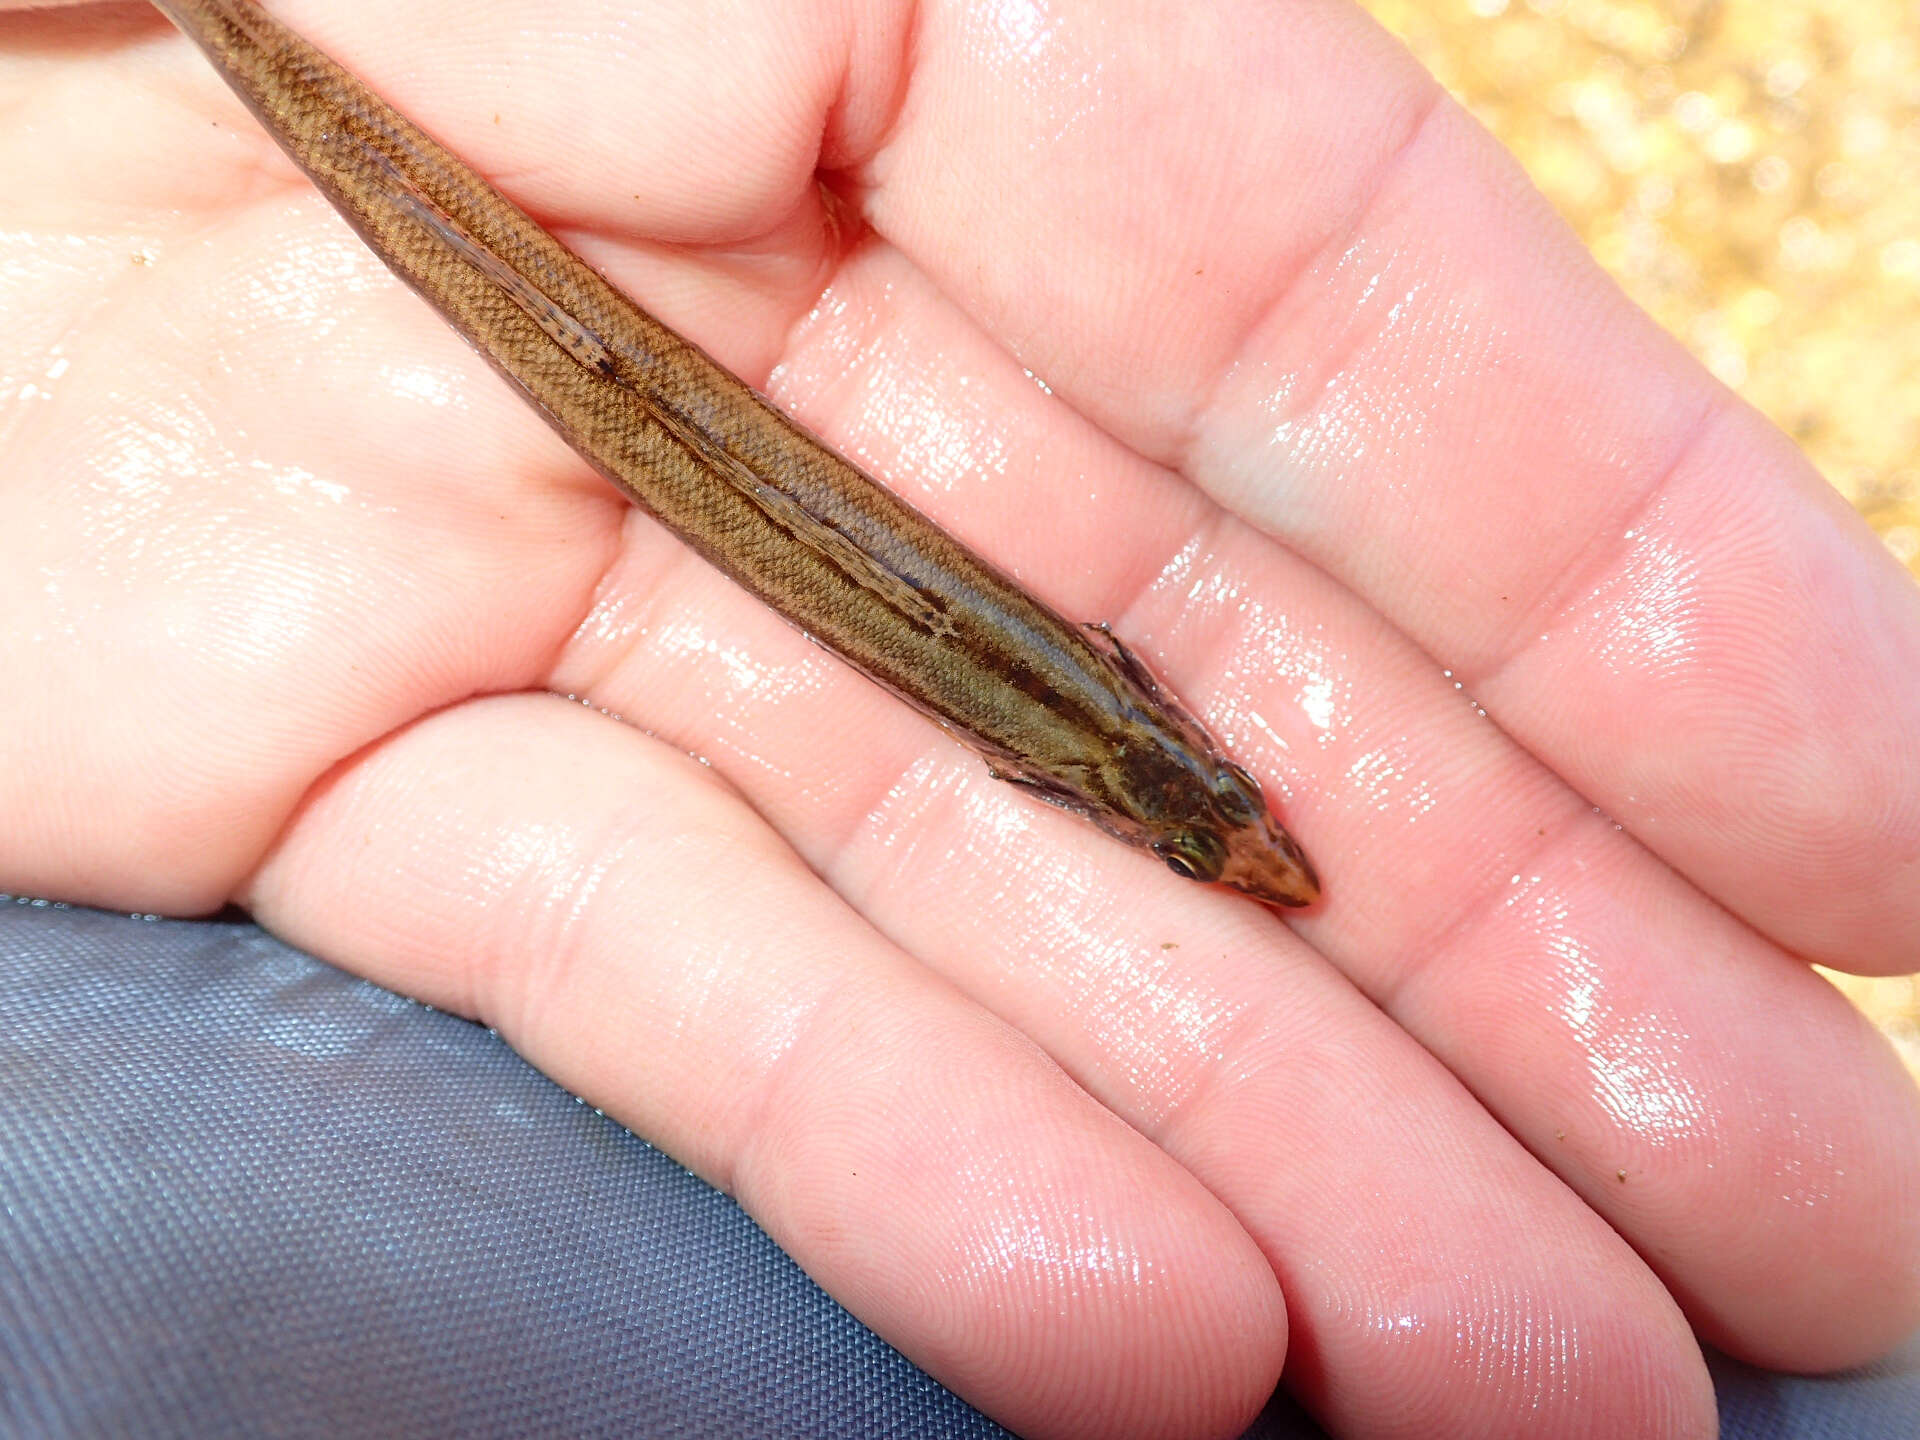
{"points": [[1064, 710]]}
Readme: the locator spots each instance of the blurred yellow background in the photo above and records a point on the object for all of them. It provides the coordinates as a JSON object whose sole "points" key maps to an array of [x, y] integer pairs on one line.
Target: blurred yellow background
{"points": [[1750, 171]]}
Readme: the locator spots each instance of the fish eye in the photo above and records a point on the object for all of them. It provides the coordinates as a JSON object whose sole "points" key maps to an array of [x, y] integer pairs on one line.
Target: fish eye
{"points": [[1194, 855]]}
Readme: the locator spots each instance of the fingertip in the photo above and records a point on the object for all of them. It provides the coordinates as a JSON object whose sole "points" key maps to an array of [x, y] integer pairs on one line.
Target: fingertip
{"points": [[1842, 1288], [1596, 1361], [1097, 1292], [1568, 1336], [1665, 1390]]}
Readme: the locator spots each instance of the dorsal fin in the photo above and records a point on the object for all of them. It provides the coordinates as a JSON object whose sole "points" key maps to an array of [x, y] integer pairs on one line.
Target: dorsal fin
{"points": [[564, 328], [864, 569], [579, 340]]}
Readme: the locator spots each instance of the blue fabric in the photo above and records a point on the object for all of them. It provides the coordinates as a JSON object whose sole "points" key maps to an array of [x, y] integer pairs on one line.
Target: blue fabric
{"points": [[1881, 1402], [244, 1194]]}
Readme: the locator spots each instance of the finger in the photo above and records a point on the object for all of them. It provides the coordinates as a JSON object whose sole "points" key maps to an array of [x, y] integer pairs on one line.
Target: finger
{"points": [[1530, 944], [1612, 1017], [1365, 1172], [632, 929], [1268, 251]]}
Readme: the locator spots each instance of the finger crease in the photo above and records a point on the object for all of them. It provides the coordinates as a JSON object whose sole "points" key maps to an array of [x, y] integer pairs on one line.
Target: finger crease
{"points": [[1433, 104], [1478, 897], [1596, 560]]}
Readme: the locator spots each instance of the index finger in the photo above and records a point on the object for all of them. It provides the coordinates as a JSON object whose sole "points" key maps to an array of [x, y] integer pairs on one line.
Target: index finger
{"points": [[1274, 255]]}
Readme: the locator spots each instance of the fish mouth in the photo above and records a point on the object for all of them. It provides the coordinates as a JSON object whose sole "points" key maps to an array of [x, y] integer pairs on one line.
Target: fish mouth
{"points": [[1264, 861]]}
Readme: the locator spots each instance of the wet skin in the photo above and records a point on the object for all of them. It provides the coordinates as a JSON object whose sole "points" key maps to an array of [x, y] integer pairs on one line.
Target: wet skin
{"points": [[1332, 404], [1065, 711]]}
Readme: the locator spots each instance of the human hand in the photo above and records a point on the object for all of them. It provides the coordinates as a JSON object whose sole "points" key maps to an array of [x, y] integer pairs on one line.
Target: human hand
{"points": [[280, 562]]}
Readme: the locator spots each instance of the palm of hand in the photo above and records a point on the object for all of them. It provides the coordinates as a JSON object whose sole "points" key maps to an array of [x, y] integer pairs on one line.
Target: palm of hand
{"points": [[1326, 394]]}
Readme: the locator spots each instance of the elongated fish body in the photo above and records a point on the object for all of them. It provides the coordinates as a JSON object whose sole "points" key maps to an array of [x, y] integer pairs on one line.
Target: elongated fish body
{"points": [[1062, 709]]}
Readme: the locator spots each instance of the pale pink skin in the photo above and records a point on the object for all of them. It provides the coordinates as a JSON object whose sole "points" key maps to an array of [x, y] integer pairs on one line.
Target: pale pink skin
{"points": [[1336, 404]]}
